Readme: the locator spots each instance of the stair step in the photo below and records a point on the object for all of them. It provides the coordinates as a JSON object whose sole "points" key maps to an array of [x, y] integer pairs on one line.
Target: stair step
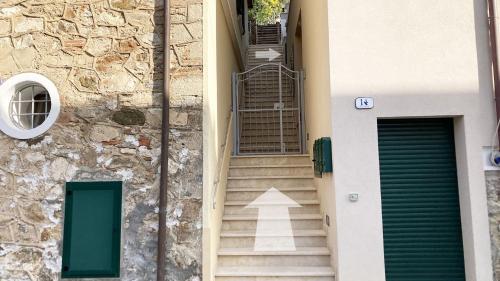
{"points": [[296, 233], [270, 160], [270, 170], [302, 256], [269, 177], [262, 189], [246, 203], [256, 217], [275, 271], [300, 251]]}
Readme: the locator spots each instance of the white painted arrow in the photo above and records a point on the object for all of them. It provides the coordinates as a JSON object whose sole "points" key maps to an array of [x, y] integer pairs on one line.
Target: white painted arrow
{"points": [[270, 54], [274, 226]]}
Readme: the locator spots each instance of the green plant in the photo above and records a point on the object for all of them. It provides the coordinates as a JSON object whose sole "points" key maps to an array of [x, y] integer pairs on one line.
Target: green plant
{"points": [[266, 11]]}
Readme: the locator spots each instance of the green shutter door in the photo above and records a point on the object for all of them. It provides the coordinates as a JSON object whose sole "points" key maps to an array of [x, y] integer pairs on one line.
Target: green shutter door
{"points": [[420, 204], [92, 220]]}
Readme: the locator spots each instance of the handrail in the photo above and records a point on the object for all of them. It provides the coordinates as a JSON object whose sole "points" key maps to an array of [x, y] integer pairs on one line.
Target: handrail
{"points": [[222, 161], [266, 64]]}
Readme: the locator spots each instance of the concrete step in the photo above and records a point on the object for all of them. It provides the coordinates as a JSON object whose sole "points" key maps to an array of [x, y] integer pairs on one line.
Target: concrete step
{"points": [[270, 181], [277, 170], [313, 223], [276, 272], [302, 159], [239, 207], [246, 238], [312, 208], [302, 256], [252, 195]]}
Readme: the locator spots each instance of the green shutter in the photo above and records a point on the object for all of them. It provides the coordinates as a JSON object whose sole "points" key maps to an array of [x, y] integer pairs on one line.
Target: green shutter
{"points": [[92, 226], [420, 204]]}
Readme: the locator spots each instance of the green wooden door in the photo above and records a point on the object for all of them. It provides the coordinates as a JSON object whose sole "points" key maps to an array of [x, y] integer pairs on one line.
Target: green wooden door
{"points": [[92, 221], [420, 204]]}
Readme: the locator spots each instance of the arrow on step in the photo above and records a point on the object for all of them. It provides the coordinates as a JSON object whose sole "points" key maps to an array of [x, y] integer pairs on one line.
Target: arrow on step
{"points": [[274, 235], [270, 54]]}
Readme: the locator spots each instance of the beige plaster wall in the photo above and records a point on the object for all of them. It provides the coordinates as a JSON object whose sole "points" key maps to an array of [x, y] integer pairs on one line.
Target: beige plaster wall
{"points": [[314, 60], [417, 58], [221, 62]]}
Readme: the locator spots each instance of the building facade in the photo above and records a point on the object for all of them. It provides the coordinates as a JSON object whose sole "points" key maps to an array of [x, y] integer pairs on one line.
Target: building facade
{"points": [[425, 67]]}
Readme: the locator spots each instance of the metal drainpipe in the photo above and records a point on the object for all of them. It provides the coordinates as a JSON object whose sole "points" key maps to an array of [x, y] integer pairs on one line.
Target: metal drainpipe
{"points": [[494, 55], [162, 214]]}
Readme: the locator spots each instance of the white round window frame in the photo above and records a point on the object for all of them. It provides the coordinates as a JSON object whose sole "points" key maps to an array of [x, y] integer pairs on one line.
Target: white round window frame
{"points": [[8, 90]]}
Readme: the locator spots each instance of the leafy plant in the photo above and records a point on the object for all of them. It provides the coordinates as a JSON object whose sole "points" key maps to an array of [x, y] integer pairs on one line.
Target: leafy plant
{"points": [[266, 11]]}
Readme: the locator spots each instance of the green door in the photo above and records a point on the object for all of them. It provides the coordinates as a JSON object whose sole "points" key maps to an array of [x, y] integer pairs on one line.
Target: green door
{"points": [[420, 204], [92, 221]]}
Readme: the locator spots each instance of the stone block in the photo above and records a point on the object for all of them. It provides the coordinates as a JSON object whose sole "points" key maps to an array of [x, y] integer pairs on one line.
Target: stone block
{"points": [[196, 29], [24, 41], [5, 26], [191, 85], [110, 18], [180, 34], [124, 4], [25, 24], [11, 11], [85, 79], [190, 53], [25, 58], [127, 45], [178, 14], [129, 117], [178, 118], [79, 12], [138, 18], [120, 81], [98, 46], [195, 12], [110, 62], [102, 133], [48, 44]]}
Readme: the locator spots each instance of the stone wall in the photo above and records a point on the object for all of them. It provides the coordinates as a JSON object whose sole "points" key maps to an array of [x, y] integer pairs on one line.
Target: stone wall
{"points": [[493, 189], [105, 57]]}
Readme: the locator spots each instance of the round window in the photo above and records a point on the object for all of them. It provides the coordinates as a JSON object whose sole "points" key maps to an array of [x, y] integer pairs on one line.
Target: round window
{"points": [[29, 105]]}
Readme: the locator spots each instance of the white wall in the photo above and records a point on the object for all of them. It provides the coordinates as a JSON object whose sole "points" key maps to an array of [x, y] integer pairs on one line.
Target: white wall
{"points": [[417, 58]]}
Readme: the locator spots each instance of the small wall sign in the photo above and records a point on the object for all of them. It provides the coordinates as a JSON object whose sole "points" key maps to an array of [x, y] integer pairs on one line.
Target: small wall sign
{"points": [[364, 103]]}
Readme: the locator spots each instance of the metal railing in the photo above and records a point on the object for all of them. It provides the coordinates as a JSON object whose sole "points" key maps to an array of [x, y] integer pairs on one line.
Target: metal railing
{"points": [[268, 107]]}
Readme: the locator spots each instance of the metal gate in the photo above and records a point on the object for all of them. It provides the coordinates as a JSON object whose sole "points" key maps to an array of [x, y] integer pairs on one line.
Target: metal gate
{"points": [[268, 104]]}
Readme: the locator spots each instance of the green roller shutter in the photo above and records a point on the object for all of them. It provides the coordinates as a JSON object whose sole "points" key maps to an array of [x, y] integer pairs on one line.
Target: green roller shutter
{"points": [[92, 222], [420, 204]]}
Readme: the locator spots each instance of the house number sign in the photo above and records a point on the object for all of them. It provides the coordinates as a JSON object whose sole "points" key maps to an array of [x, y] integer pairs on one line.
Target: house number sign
{"points": [[364, 103]]}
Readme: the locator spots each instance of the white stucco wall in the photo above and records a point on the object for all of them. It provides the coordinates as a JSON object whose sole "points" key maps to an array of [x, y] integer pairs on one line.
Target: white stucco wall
{"points": [[417, 58]]}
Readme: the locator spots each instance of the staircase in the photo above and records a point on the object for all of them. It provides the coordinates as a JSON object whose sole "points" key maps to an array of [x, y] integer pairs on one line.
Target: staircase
{"points": [[268, 34], [260, 128], [250, 178]]}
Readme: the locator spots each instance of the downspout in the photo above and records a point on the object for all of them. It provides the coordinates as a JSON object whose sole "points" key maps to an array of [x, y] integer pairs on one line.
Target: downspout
{"points": [[162, 213], [494, 57]]}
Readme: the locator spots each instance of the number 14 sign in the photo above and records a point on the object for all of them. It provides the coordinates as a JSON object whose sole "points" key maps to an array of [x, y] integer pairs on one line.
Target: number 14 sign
{"points": [[364, 103]]}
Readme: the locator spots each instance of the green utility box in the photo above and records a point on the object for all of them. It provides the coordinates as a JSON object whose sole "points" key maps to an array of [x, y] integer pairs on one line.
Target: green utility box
{"points": [[322, 156]]}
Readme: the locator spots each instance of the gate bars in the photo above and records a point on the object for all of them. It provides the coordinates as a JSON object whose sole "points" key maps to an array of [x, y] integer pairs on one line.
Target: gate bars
{"points": [[267, 104]]}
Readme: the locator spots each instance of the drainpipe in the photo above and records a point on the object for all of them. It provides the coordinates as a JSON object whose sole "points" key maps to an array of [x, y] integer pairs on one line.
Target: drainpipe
{"points": [[162, 214], [494, 56]]}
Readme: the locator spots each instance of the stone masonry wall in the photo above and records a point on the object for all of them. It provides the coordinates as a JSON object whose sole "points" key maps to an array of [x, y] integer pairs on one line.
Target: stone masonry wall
{"points": [[493, 189], [105, 57]]}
